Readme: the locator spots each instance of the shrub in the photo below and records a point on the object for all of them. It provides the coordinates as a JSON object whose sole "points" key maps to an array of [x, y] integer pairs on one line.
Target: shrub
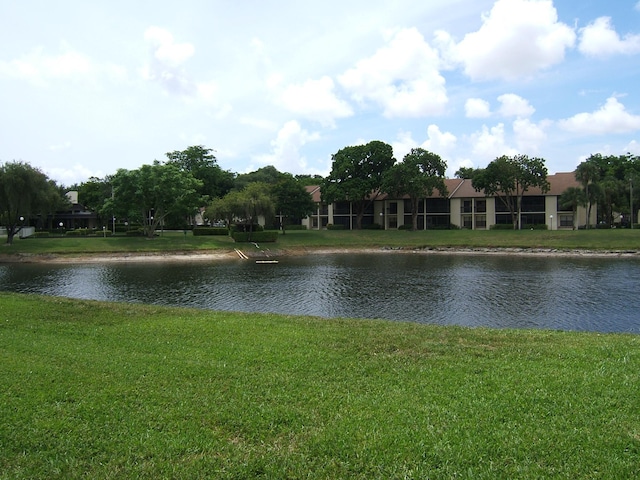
{"points": [[405, 226], [372, 226], [261, 237], [331, 226], [241, 227], [210, 231], [79, 232]]}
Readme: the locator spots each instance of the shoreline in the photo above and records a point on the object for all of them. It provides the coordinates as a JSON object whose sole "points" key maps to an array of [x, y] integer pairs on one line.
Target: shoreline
{"points": [[261, 254]]}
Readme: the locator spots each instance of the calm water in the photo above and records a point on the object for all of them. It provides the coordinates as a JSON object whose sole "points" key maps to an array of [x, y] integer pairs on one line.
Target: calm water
{"points": [[498, 291]]}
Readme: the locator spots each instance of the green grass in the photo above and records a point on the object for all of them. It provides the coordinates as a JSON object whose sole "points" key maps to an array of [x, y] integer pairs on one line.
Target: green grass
{"points": [[621, 239], [103, 390]]}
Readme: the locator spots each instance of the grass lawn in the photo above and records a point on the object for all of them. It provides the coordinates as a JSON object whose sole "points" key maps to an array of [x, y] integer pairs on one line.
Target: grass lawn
{"points": [[621, 239], [102, 390]]}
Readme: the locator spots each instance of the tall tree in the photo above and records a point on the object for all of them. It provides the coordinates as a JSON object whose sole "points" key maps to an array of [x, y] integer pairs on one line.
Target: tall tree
{"points": [[588, 174], [357, 175], [573, 197], [508, 178], [255, 200], [24, 192], [152, 192], [202, 164], [292, 201], [418, 175], [269, 175]]}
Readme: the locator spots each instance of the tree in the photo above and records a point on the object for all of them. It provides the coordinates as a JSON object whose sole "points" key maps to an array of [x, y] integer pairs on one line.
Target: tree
{"points": [[152, 192], [418, 175], [24, 192], [309, 180], [508, 178], [94, 193], [255, 200], [292, 201], [573, 197], [226, 208], [466, 172], [588, 173], [357, 175], [268, 175], [202, 164]]}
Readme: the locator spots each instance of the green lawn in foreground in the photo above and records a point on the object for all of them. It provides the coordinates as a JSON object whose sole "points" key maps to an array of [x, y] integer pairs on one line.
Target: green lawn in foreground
{"points": [[102, 390], [621, 239]]}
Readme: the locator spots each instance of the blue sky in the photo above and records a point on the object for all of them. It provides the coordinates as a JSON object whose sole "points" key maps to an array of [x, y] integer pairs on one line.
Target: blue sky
{"points": [[87, 88]]}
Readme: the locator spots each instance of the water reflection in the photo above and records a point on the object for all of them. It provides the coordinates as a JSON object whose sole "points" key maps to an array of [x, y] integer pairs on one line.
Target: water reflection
{"points": [[498, 291]]}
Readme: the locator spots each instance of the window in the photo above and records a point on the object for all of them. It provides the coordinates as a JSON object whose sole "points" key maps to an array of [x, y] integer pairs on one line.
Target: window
{"points": [[566, 220], [481, 205], [342, 208], [481, 221], [466, 206], [407, 205], [393, 208], [467, 221], [438, 205], [534, 203]]}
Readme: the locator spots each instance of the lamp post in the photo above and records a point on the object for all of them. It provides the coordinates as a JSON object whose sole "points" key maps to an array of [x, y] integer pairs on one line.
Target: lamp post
{"points": [[382, 220], [551, 221]]}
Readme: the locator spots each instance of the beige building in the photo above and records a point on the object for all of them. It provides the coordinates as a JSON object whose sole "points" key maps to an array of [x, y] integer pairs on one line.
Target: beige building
{"points": [[464, 207]]}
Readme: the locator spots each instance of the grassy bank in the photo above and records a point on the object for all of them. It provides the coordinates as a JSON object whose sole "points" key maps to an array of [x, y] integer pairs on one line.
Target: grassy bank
{"points": [[178, 242], [98, 390]]}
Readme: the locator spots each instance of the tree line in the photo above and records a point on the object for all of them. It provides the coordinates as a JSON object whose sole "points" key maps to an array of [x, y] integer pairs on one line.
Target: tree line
{"points": [[190, 183]]}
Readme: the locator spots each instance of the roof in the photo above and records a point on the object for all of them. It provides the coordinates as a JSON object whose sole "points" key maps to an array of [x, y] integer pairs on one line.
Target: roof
{"points": [[463, 188]]}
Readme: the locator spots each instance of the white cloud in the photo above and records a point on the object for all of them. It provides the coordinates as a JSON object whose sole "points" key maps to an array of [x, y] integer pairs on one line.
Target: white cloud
{"points": [[517, 38], [512, 105], [477, 108], [611, 118], [402, 77], [442, 143], [76, 174], [316, 100], [634, 146], [600, 39], [438, 141], [40, 69], [285, 149], [165, 65], [490, 143], [529, 137], [165, 50]]}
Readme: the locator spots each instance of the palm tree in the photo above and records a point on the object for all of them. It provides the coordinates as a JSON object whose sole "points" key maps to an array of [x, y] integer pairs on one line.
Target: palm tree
{"points": [[573, 197], [587, 173]]}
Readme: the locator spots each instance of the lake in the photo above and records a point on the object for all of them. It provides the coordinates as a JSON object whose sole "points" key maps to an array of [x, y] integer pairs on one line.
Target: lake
{"points": [[567, 293]]}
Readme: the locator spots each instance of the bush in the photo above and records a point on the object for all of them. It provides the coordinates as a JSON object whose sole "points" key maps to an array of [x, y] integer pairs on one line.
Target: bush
{"points": [[210, 231], [331, 226], [258, 237], [241, 227], [39, 235], [79, 232], [372, 226], [405, 226]]}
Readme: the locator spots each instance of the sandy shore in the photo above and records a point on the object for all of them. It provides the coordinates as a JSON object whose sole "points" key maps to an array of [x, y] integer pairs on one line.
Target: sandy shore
{"points": [[210, 256]]}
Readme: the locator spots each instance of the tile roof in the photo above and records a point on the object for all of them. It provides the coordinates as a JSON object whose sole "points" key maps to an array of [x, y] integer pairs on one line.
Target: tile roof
{"points": [[461, 188]]}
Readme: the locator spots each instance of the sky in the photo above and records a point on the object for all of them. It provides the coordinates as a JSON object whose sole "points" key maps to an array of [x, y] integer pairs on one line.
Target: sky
{"points": [[90, 87]]}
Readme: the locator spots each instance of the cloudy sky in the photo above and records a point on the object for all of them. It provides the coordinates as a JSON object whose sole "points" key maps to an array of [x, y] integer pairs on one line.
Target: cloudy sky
{"points": [[88, 87]]}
